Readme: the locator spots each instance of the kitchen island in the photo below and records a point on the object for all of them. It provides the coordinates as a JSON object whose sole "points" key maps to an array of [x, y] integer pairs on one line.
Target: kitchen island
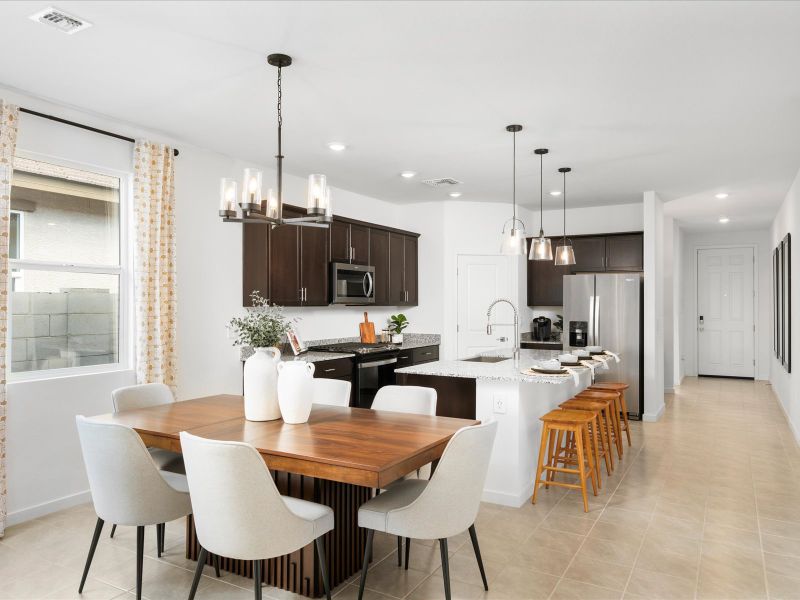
{"points": [[499, 390]]}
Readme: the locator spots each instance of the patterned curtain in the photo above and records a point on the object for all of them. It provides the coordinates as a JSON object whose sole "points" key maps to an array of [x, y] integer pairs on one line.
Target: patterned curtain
{"points": [[9, 115], [154, 263]]}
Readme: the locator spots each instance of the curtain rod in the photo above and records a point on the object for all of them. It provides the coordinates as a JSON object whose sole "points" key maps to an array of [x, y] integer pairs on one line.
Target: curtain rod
{"points": [[82, 126]]}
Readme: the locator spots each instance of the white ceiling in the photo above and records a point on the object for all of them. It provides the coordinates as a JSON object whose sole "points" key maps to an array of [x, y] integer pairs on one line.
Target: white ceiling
{"points": [[683, 98]]}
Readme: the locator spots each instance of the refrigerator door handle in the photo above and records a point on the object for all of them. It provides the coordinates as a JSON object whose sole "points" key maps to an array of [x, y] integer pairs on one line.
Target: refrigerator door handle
{"points": [[597, 320], [590, 334]]}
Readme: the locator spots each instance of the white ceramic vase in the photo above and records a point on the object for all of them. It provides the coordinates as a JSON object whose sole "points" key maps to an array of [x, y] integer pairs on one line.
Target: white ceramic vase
{"points": [[261, 385], [397, 338], [295, 390]]}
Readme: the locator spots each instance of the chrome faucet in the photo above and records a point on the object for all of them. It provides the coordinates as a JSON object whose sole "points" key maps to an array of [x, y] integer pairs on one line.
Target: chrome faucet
{"points": [[489, 325]]}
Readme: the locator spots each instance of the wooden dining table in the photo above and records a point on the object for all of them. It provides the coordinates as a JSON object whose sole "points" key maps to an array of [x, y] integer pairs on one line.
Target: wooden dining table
{"points": [[341, 457]]}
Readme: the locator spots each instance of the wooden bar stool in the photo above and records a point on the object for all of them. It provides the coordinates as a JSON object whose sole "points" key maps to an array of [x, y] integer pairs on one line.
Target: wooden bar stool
{"points": [[612, 423], [601, 450], [558, 423], [620, 388]]}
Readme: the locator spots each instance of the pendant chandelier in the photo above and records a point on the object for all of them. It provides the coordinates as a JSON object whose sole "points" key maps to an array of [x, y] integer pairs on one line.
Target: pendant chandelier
{"points": [[254, 207], [540, 246], [565, 254], [513, 242]]}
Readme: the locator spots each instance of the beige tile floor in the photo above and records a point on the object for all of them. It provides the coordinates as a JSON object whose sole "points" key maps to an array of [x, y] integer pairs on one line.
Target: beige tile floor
{"points": [[706, 504]]}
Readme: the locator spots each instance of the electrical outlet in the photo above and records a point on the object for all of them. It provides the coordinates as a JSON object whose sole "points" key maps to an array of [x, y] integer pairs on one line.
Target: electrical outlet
{"points": [[499, 405]]}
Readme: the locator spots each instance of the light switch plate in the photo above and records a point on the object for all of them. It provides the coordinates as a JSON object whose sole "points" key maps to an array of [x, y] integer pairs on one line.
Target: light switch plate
{"points": [[499, 405]]}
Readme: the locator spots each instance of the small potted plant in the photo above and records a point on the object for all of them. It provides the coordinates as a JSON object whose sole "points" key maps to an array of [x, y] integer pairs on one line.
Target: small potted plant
{"points": [[262, 328], [397, 323]]}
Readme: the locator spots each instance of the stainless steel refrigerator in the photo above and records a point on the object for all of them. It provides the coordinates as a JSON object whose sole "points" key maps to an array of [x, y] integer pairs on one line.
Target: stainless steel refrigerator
{"points": [[605, 309]]}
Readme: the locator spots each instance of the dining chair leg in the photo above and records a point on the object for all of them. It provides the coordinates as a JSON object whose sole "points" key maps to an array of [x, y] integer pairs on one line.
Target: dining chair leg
{"points": [[257, 578], [159, 539], [399, 550], [474, 537], [198, 571], [98, 528], [113, 530], [408, 551], [323, 566], [445, 567], [215, 560], [139, 560], [367, 554]]}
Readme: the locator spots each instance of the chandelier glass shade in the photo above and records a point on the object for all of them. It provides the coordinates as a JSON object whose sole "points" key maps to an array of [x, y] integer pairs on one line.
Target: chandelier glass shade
{"points": [[512, 241]]}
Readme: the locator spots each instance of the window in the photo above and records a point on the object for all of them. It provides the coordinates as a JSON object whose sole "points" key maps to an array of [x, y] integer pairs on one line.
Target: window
{"points": [[68, 277]]}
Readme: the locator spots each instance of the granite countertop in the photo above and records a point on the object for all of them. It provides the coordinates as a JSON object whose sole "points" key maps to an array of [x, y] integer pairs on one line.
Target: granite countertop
{"points": [[410, 340], [499, 371]]}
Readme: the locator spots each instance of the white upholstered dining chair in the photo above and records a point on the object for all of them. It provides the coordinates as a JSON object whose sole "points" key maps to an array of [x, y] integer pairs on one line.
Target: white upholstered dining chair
{"points": [[440, 508], [127, 488], [146, 395], [332, 392], [239, 513]]}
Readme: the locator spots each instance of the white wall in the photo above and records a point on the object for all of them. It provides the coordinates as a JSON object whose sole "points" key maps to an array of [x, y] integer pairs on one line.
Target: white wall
{"points": [[669, 298], [653, 307], [590, 219], [678, 264], [692, 242], [787, 385]]}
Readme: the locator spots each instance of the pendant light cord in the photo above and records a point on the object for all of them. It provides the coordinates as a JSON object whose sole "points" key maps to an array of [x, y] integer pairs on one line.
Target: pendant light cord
{"points": [[279, 157], [541, 195], [564, 194], [514, 185]]}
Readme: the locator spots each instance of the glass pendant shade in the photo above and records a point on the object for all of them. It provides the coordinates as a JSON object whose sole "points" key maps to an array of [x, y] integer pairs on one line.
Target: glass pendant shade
{"points": [[227, 195], [565, 255], [251, 189], [513, 243], [271, 209], [316, 198], [328, 204], [541, 249]]}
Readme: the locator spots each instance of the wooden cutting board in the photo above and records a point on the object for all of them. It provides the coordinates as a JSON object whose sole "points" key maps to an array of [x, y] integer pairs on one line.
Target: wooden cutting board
{"points": [[367, 330]]}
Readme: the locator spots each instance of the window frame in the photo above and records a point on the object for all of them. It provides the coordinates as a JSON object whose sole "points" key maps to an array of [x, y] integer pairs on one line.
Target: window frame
{"points": [[123, 270]]}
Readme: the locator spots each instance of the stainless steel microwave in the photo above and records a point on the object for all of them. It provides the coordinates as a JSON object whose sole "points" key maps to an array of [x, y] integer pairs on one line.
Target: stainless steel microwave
{"points": [[352, 284]]}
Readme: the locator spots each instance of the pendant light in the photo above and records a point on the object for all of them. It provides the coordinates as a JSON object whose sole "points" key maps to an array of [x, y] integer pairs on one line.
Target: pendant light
{"points": [[565, 255], [254, 205], [540, 246], [513, 242]]}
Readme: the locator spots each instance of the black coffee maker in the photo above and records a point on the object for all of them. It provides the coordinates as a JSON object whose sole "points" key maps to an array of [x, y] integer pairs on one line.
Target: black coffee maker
{"points": [[541, 329]]}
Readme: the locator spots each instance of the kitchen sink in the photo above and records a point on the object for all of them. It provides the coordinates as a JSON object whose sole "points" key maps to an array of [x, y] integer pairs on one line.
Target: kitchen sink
{"points": [[486, 359]]}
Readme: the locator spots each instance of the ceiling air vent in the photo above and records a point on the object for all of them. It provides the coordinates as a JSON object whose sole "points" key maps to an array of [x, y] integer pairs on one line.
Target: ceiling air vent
{"points": [[441, 182], [60, 20]]}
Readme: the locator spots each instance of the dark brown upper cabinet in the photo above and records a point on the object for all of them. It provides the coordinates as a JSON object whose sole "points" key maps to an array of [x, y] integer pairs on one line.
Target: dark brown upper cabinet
{"points": [[290, 265], [625, 252], [403, 270], [593, 254], [590, 254], [349, 242], [379, 258]]}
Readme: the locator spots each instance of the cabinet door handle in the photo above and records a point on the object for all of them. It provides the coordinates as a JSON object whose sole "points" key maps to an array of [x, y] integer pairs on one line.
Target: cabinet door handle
{"points": [[404, 357], [329, 370]]}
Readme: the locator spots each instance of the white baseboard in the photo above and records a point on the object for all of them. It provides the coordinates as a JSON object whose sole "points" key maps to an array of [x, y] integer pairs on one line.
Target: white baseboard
{"points": [[652, 418], [508, 499], [669, 390], [788, 419], [45, 508]]}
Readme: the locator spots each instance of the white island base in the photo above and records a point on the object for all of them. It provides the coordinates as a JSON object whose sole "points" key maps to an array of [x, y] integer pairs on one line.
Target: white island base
{"points": [[516, 401]]}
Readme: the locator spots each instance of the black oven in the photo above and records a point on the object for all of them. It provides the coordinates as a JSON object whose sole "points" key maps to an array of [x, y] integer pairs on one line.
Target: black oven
{"points": [[352, 284], [374, 368]]}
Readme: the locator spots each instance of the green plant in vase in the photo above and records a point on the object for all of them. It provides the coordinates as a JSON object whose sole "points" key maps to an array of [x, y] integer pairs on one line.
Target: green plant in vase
{"points": [[397, 323]]}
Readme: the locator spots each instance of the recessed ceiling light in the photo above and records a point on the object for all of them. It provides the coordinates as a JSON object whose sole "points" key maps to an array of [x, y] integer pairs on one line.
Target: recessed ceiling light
{"points": [[408, 174], [455, 194], [724, 219], [555, 193], [721, 196], [337, 146]]}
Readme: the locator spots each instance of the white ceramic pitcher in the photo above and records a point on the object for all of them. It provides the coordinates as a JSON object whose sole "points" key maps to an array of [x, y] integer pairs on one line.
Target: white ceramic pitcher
{"points": [[295, 390], [261, 385]]}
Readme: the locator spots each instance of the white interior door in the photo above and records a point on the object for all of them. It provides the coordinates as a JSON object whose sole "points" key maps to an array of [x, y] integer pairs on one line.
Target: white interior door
{"points": [[725, 321], [482, 279]]}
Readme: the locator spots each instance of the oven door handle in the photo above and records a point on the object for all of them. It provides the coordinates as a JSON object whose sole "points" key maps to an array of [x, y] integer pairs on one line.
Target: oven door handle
{"points": [[377, 363]]}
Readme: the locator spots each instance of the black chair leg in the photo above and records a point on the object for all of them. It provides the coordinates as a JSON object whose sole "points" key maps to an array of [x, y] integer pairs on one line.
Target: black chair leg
{"points": [[159, 539], [367, 554], [408, 551], [113, 530], [445, 567], [474, 537], [98, 528], [257, 578], [198, 571], [215, 560], [139, 560], [399, 551], [323, 566]]}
